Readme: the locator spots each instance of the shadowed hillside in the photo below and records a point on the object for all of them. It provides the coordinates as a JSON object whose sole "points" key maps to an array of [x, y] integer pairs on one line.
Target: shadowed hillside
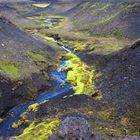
{"points": [[23, 65]]}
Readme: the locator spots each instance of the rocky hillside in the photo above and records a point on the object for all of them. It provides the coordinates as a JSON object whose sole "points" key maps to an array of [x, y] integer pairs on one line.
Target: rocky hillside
{"points": [[98, 17], [22, 65], [100, 39], [107, 18]]}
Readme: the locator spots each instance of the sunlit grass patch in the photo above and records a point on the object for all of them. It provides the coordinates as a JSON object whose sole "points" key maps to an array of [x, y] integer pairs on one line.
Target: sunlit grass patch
{"points": [[105, 114], [9, 69], [80, 75], [35, 56], [40, 131], [41, 5], [51, 39]]}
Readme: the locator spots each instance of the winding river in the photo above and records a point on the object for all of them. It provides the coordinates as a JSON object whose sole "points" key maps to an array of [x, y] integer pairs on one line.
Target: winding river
{"points": [[59, 75]]}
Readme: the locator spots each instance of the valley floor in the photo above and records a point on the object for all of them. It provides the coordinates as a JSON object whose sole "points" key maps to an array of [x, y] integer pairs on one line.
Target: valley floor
{"points": [[103, 71]]}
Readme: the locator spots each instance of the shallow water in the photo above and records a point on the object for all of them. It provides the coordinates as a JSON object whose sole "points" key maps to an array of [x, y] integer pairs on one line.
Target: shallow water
{"points": [[14, 115]]}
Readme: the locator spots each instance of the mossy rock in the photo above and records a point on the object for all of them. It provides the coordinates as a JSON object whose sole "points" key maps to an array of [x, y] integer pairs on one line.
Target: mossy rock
{"points": [[40, 131], [9, 68]]}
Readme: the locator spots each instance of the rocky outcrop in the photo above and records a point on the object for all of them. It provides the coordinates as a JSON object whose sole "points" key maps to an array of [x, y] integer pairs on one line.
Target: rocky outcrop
{"points": [[77, 128], [74, 128]]}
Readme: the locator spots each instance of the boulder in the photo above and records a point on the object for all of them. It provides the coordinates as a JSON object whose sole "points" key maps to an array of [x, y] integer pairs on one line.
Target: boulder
{"points": [[74, 128]]}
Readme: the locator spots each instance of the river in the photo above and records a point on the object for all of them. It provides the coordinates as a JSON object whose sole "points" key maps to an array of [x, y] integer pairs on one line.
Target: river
{"points": [[59, 75]]}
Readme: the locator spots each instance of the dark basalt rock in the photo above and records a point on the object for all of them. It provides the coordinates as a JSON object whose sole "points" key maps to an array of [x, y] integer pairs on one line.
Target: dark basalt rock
{"points": [[74, 128], [77, 128]]}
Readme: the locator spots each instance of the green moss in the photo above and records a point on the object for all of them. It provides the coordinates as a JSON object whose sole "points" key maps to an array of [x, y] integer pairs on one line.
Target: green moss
{"points": [[50, 38], [17, 125], [41, 5], [137, 133], [32, 92], [125, 121], [108, 45], [40, 131], [79, 75], [24, 117], [80, 45], [35, 56], [117, 33], [9, 68], [1, 120], [106, 114], [41, 24], [33, 107], [46, 37]]}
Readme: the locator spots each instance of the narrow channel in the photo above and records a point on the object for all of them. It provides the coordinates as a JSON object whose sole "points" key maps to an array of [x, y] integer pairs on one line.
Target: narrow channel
{"points": [[6, 129]]}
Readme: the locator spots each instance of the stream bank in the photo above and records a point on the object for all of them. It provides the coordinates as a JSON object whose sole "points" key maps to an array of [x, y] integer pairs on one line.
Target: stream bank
{"points": [[102, 115], [14, 114], [60, 84]]}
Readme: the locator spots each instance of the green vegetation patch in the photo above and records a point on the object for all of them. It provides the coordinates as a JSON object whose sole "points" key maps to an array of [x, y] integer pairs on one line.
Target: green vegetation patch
{"points": [[40, 131], [105, 114], [1, 120], [33, 107], [18, 124], [117, 33], [35, 56], [41, 5], [9, 68], [80, 75]]}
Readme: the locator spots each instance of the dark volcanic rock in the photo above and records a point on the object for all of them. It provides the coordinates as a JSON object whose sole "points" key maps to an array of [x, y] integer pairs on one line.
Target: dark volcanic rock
{"points": [[74, 128], [77, 128], [13, 93], [6, 94], [120, 83]]}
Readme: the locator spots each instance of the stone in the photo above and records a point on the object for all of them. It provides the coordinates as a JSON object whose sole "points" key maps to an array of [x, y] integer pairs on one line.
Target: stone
{"points": [[74, 128]]}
